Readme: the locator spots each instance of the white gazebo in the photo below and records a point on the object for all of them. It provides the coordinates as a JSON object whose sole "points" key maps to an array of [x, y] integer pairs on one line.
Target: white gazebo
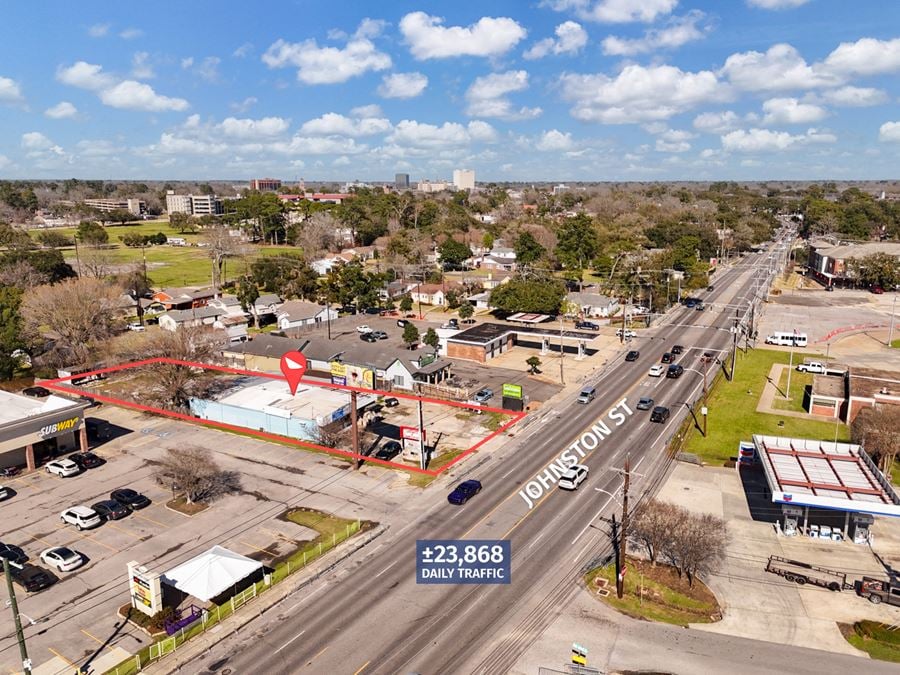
{"points": [[211, 573]]}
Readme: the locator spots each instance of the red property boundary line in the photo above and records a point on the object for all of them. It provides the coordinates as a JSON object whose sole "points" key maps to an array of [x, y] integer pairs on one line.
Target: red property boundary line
{"points": [[58, 385]]}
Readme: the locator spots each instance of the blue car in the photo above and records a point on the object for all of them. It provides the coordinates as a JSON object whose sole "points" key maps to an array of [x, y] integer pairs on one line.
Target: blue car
{"points": [[464, 491]]}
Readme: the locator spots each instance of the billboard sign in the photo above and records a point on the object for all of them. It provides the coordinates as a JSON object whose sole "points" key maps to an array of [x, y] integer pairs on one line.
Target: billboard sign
{"points": [[512, 391], [410, 433]]}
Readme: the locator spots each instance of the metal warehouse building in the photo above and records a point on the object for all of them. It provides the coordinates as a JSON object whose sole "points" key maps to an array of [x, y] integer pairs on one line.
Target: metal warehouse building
{"points": [[35, 429]]}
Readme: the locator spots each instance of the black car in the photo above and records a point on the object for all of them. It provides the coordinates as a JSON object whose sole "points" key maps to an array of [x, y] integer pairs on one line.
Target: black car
{"points": [[368, 337], [587, 325], [668, 357], [36, 392], [388, 451], [12, 553], [710, 288], [677, 349], [453, 323], [373, 310], [86, 460], [97, 428], [109, 509], [391, 402], [675, 371], [33, 578], [464, 492], [660, 414], [130, 498], [644, 403], [632, 355]]}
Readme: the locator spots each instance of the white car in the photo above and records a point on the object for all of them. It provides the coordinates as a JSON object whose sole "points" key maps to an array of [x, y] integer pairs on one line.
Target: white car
{"points": [[628, 333], [656, 370], [574, 477], [363, 329], [63, 467], [62, 558], [82, 517], [4, 492], [136, 327]]}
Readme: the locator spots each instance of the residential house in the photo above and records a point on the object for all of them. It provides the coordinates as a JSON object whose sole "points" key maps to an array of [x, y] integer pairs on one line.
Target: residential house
{"points": [[591, 305], [433, 294], [494, 279], [266, 308], [235, 327], [184, 298], [394, 289], [262, 352], [229, 304], [481, 300], [299, 313]]}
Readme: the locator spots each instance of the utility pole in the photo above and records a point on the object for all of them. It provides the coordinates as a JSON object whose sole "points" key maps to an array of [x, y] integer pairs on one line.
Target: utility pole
{"points": [[422, 461], [354, 431], [734, 336], [891, 331], [328, 316], [623, 531], [562, 351], [14, 606]]}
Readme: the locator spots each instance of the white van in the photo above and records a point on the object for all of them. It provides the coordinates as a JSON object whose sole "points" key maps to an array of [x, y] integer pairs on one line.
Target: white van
{"points": [[787, 339]]}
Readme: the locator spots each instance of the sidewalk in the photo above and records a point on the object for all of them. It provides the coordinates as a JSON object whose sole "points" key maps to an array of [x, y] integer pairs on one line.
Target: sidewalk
{"points": [[770, 391]]}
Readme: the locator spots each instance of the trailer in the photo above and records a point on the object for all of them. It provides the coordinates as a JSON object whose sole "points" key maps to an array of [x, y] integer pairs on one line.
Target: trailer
{"points": [[802, 573]]}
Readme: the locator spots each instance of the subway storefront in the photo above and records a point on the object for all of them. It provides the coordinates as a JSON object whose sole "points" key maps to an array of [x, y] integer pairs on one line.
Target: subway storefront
{"points": [[33, 431]]}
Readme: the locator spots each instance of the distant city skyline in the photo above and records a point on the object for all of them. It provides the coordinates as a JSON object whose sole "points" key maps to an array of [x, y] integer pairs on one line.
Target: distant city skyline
{"points": [[550, 90]]}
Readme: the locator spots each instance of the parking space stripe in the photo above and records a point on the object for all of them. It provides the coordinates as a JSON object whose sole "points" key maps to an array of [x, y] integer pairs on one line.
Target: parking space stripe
{"points": [[155, 522], [261, 550], [97, 541], [98, 640], [43, 541], [56, 653], [122, 529]]}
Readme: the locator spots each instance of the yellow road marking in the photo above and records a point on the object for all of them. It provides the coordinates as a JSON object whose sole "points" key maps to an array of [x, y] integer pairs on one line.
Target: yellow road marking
{"points": [[97, 541], [122, 529], [362, 668], [143, 517], [98, 640], [71, 663], [317, 655], [262, 550], [43, 541]]}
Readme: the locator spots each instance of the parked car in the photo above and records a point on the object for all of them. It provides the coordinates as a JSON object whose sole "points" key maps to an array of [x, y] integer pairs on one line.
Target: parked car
{"points": [[668, 357], [464, 492], [877, 290], [574, 477], [97, 429], [110, 509], [36, 392], [587, 325], [12, 553], [825, 532], [368, 337], [675, 371], [710, 288], [453, 323], [363, 329], [660, 414], [388, 451], [32, 578], [633, 355], [62, 558], [10, 471], [699, 307], [656, 370], [402, 323], [63, 468], [82, 517], [86, 460], [816, 367], [677, 349], [391, 402], [5, 492], [628, 333], [484, 395], [137, 327], [130, 498], [379, 335], [373, 310], [644, 403]]}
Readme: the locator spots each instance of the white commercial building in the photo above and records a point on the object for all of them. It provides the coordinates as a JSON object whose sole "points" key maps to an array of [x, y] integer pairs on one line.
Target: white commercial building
{"points": [[464, 179], [193, 205], [134, 206]]}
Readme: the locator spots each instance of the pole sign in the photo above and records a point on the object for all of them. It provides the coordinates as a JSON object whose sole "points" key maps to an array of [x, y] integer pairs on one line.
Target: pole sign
{"points": [[512, 390], [410, 433], [579, 654], [145, 589]]}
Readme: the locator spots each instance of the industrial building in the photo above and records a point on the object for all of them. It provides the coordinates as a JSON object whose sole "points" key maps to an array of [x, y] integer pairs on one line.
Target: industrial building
{"points": [[33, 430]]}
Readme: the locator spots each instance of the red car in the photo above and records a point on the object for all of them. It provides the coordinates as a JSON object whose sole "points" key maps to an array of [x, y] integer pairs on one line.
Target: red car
{"points": [[877, 290]]}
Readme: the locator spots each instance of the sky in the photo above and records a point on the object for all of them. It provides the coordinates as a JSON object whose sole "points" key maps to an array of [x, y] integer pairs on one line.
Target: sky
{"points": [[518, 90]]}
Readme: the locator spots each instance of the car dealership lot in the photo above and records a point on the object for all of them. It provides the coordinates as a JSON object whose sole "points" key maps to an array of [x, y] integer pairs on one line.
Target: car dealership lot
{"points": [[76, 618]]}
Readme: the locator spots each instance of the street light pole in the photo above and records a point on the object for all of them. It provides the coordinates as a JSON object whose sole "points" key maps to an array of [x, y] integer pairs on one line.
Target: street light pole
{"points": [[14, 606], [623, 534]]}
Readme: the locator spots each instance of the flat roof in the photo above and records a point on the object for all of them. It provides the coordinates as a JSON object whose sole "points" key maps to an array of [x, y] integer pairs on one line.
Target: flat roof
{"points": [[483, 333], [828, 385], [274, 397], [869, 383], [824, 474], [15, 407]]}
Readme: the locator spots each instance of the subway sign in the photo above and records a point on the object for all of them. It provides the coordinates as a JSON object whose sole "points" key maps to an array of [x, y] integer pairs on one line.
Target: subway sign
{"points": [[59, 427]]}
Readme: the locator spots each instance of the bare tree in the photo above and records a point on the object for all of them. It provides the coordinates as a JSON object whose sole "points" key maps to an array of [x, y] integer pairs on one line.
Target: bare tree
{"points": [[220, 245], [702, 545], [193, 472], [653, 526], [878, 431], [94, 261], [315, 234], [21, 274], [80, 312], [332, 436]]}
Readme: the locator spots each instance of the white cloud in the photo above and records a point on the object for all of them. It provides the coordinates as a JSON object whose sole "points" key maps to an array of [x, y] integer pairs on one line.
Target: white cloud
{"points": [[124, 94], [245, 105], [776, 4], [10, 92], [791, 111], [780, 68], [672, 146], [131, 33], [890, 132], [208, 68], [615, 11], [678, 31], [4, 161], [334, 124], [639, 94], [766, 140], [487, 96], [867, 56], [481, 131], [554, 141], [187, 62], [140, 66], [409, 133], [132, 95], [98, 148], [716, 122], [570, 38], [98, 30], [39, 146], [328, 65], [249, 129], [402, 85], [489, 36], [243, 50], [855, 97], [61, 110]]}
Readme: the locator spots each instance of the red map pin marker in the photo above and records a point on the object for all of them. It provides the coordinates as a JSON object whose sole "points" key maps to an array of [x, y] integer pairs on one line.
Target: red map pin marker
{"points": [[293, 367]]}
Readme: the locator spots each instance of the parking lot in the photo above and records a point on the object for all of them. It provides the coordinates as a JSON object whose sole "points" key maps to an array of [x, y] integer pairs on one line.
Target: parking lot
{"points": [[75, 620]]}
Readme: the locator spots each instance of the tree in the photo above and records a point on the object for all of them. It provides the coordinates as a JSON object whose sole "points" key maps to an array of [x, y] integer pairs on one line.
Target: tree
{"points": [[466, 310], [406, 303], [120, 216], [80, 312], [10, 330], [452, 299], [878, 431], [220, 245], [877, 269], [183, 222], [577, 243], [431, 337], [535, 294], [454, 252], [527, 249], [247, 295], [410, 334], [533, 363], [653, 525], [192, 472], [13, 237], [262, 213], [487, 241], [91, 233], [52, 239], [289, 276], [134, 239]]}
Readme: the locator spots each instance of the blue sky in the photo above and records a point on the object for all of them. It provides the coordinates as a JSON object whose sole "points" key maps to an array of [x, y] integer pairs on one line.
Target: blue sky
{"points": [[539, 90]]}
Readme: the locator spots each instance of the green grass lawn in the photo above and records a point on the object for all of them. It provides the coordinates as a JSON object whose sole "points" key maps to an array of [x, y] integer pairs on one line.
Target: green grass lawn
{"points": [[799, 382], [895, 344], [875, 639], [733, 417]]}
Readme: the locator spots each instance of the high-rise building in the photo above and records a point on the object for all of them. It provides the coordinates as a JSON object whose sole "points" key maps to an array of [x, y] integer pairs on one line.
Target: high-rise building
{"points": [[401, 181], [265, 184], [464, 179], [178, 203], [193, 205]]}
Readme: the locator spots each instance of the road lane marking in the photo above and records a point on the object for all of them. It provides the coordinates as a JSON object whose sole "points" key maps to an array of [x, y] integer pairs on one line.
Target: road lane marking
{"points": [[318, 590], [386, 569], [98, 640], [72, 664], [537, 538], [362, 668], [291, 640], [97, 541], [581, 553], [591, 521], [316, 656]]}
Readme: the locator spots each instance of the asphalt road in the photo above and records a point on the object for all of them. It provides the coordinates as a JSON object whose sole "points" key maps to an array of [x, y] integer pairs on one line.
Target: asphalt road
{"points": [[371, 617]]}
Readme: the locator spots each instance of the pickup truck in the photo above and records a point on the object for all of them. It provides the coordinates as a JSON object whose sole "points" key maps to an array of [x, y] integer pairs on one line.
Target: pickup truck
{"points": [[877, 591], [816, 367]]}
